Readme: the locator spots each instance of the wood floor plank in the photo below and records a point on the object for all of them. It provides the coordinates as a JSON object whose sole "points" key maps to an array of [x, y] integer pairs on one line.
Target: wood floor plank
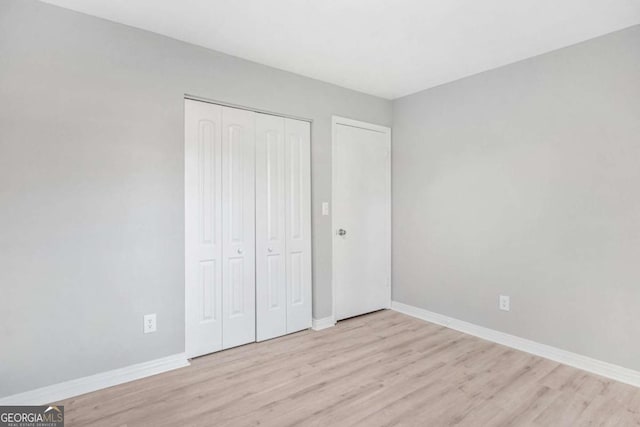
{"points": [[382, 369]]}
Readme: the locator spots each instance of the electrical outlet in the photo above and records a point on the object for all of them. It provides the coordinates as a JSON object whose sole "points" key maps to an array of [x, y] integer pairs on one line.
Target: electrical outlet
{"points": [[149, 323], [325, 208], [505, 303]]}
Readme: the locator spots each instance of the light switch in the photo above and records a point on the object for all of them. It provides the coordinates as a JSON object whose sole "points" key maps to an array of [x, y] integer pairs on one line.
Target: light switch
{"points": [[325, 208]]}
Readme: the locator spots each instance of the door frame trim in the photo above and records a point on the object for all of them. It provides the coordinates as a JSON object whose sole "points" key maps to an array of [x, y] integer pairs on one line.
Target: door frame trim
{"points": [[243, 107], [335, 121]]}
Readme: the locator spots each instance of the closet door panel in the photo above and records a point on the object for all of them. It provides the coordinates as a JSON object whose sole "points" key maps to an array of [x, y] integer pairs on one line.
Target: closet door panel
{"points": [[271, 301], [238, 227], [298, 223], [203, 231]]}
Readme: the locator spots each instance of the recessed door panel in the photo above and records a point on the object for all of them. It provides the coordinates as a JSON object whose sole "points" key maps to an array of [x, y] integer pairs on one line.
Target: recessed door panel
{"points": [[203, 252], [236, 288], [274, 162], [298, 220], [235, 179], [275, 277], [296, 278], [238, 219], [209, 285], [270, 227]]}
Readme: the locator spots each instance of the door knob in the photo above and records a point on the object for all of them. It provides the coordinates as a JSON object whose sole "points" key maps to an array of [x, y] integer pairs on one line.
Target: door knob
{"points": [[270, 249], [240, 251], [342, 232]]}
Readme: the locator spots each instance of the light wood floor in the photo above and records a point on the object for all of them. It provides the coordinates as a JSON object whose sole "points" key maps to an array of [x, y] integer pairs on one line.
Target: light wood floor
{"points": [[376, 370]]}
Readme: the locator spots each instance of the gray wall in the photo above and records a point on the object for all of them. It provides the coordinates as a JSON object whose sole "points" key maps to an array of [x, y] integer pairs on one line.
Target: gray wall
{"points": [[525, 181], [91, 185]]}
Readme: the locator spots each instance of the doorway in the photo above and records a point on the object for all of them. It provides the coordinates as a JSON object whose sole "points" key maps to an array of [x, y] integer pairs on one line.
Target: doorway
{"points": [[361, 217]]}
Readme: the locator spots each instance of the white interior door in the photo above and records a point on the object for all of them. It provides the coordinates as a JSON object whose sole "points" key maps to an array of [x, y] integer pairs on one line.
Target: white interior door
{"points": [[238, 227], [361, 217], [271, 284], [298, 223], [203, 230]]}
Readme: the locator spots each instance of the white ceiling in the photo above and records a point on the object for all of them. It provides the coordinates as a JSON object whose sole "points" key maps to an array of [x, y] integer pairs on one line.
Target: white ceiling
{"points": [[381, 47]]}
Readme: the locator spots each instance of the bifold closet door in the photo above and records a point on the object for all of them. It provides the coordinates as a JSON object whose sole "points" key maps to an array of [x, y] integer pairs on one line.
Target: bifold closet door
{"points": [[247, 227], [238, 227], [271, 283], [203, 228], [298, 218], [219, 227], [283, 226]]}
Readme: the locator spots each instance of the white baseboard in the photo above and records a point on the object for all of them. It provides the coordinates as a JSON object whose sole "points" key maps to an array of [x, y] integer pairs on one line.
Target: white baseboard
{"points": [[67, 389], [324, 323], [579, 361]]}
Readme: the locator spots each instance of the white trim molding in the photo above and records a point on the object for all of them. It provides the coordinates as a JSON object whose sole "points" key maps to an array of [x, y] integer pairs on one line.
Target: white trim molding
{"points": [[67, 389], [324, 323], [598, 367], [337, 120]]}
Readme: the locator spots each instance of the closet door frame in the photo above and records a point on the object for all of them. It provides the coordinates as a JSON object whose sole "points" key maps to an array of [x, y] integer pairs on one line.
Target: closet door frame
{"points": [[189, 221]]}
